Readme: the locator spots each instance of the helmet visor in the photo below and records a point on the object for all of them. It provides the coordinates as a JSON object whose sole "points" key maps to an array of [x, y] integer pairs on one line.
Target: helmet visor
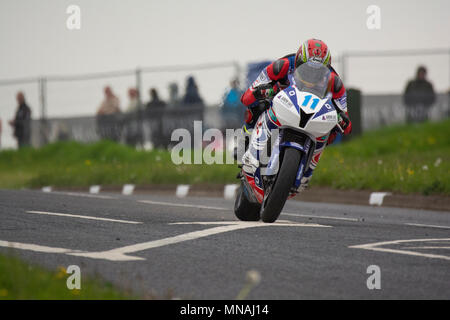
{"points": [[313, 77]]}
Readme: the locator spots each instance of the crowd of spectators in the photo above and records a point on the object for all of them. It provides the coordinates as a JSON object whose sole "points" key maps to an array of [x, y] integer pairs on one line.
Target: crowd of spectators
{"points": [[418, 98]]}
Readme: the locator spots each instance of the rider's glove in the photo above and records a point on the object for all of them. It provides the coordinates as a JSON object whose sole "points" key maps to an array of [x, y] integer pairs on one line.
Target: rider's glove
{"points": [[345, 123], [266, 91]]}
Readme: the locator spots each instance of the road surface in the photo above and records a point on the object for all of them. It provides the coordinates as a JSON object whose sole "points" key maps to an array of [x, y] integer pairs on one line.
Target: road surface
{"points": [[194, 248]]}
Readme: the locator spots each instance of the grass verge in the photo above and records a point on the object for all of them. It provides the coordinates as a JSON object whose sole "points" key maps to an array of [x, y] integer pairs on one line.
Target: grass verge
{"points": [[407, 159], [22, 281]]}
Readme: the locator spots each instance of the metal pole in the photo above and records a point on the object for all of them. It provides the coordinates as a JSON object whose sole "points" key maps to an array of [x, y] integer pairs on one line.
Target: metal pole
{"points": [[43, 102], [139, 85], [43, 97], [344, 66], [140, 106]]}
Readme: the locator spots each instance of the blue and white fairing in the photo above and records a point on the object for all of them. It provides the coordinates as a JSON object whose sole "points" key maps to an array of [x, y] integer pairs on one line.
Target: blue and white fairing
{"points": [[293, 108]]}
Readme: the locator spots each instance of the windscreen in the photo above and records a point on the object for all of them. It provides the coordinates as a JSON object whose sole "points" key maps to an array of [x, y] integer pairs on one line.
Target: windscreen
{"points": [[313, 77]]}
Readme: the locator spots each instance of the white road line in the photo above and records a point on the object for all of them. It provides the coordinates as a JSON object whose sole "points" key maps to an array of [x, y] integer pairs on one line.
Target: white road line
{"points": [[34, 247], [120, 254], [182, 205], [280, 223], [427, 225], [377, 247], [429, 247], [318, 217], [79, 194], [82, 217]]}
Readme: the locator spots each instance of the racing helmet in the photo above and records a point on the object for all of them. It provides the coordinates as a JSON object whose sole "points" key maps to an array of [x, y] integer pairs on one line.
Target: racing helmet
{"points": [[313, 50]]}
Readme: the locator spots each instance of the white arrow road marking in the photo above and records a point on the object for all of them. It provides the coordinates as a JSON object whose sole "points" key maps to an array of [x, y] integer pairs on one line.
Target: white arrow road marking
{"points": [[82, 217], [377, 246], [121, 254]]}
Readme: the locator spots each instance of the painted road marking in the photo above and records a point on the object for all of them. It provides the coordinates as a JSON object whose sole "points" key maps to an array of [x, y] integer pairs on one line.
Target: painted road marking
{"points": [[318, 217], [182, 190], [35, 247], [182, 205], [94, 189], [82, 217], [128, 189], [377, 246], [427, 225], [227, 209], [122, 253], [79, 194], [376, 198]]}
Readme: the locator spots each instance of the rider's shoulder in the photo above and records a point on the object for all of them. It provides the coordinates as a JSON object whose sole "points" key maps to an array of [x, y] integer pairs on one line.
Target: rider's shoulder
{"points": [[280, 68]]}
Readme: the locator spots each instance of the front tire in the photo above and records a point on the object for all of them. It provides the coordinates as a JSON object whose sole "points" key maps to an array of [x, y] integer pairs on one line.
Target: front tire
{"points": [[282, 186], [244, 209]]}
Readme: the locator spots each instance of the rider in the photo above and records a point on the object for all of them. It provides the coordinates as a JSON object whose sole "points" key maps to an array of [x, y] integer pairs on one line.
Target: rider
{"points": [[275, 78]]}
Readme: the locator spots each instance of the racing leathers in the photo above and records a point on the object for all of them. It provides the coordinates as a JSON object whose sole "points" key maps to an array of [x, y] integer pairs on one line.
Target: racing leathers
{"points": [[271, 80]]}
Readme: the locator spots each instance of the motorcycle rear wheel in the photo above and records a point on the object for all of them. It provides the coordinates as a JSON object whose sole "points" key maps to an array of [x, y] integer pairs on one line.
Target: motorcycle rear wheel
{"points": [[244, 209]]}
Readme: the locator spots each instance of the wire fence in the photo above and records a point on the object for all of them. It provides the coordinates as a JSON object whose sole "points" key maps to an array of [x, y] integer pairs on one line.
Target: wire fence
{"points": [[373, 72]]}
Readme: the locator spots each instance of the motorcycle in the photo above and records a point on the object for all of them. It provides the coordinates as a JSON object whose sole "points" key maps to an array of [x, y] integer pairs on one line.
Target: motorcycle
{"points": [[297, 118]]}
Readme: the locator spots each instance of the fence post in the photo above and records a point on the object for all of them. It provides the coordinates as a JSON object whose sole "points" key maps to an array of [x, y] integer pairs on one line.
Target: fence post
{"points": [[140, 107], [43, 96], [139, 84], [343, 74], [43, 132]]}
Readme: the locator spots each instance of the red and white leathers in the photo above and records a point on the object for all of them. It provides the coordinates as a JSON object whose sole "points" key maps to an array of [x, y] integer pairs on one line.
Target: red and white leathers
{"points": [[275, 78]]}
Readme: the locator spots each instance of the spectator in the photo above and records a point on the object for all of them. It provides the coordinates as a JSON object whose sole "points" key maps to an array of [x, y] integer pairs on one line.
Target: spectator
{"points": [[154, 99], [110, 105], [174, 99], [109, 126], [418, 97], [22, 121], [232, 97], [132, 126], [232, 109], [133, 103], [155, 114], [192, 96]]}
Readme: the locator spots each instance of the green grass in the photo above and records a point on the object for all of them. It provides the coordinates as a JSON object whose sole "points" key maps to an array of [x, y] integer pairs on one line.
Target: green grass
{"points": [[22, 281], [400, 158], [408, 159]]}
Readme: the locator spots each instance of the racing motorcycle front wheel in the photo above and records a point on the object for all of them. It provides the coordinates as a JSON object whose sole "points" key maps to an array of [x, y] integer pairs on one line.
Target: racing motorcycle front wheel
{"points": [[280, 190]]}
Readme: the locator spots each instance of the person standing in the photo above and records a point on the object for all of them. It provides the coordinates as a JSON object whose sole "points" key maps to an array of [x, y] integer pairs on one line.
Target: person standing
{"points": [[22, 121], [109, 124], [419, 96]]}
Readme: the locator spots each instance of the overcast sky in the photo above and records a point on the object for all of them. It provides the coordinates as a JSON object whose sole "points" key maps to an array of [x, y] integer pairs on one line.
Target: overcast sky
{"points": [[123, 34]]}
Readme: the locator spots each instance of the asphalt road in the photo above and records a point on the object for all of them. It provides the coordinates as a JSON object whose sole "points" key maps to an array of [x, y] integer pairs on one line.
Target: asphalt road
{"points": [[194, 248]]}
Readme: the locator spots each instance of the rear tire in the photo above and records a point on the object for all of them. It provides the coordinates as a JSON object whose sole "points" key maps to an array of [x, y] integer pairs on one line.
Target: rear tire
{"points": [[282, 186], [244, 209]]}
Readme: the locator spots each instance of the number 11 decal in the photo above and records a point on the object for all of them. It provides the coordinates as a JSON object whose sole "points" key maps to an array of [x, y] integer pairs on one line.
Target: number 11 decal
{"points": [[315, 101]]}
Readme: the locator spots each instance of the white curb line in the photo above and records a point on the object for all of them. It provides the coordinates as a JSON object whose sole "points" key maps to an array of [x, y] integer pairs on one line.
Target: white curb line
{"points": [[47, 189], [94, 189], [376, 198], [128, 189], [182, 190], [230, 191]]}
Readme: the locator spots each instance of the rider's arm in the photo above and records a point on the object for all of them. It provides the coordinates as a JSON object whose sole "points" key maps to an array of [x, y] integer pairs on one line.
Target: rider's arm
{"points": [[265, 86], [340, 101]]}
